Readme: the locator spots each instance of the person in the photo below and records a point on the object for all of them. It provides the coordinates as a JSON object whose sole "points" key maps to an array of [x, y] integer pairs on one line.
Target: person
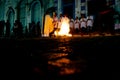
{"points": [[15, 28], [7, 28], [48, 26], [18, 29], [60, 21], [83, 25], [89, 25], [55, 24], [77, 25], [71, 26], [55, 21], [2, 25], [38, 29]]}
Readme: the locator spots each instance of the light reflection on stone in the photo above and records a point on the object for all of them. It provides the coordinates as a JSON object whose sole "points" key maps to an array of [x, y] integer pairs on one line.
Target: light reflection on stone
{"points": [[66, 66], [66, 71], [60, 62], [63, 49], [57, 55], [60, 57]]}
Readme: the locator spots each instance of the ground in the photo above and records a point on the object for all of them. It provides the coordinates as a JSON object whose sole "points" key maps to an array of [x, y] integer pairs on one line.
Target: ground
{"points": [[60, 58]]}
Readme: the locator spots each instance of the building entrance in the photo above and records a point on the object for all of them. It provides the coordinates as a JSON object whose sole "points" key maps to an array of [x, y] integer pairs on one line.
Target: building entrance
{"points": [[68, 7]]}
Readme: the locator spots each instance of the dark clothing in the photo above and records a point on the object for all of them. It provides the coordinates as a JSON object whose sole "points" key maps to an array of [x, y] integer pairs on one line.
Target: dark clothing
{"points": [[7, 29]]}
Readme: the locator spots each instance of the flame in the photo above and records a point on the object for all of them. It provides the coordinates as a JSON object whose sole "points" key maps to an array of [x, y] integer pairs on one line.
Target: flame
{"points": [[64, 28]]}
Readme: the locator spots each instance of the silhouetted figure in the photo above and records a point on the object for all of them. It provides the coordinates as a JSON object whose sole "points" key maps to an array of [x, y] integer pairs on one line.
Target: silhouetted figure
{"points": [[18, 29], [71, 22], [8, 28], [0, 28], [38, 29], [2, 24], [15, 28], [32, 29]]}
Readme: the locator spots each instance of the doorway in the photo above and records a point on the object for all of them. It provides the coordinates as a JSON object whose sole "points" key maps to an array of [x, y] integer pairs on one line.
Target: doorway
{"points": [[68, 8]]}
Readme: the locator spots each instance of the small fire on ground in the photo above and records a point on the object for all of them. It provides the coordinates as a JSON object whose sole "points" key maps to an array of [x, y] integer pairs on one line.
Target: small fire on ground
{"points": [[64, 28]]}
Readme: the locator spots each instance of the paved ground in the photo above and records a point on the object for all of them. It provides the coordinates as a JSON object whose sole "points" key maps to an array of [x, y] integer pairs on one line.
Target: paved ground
{"points": [[61, 58]]}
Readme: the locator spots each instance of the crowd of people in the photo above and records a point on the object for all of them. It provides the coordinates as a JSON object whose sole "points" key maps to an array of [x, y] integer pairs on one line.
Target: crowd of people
{"points": [[80, 25], [101, 24], [6, 30]]}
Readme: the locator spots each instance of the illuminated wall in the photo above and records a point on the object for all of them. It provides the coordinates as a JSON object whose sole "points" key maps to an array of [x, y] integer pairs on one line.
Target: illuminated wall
{"points": [[24, 10], [34, 10], [79, 6]]}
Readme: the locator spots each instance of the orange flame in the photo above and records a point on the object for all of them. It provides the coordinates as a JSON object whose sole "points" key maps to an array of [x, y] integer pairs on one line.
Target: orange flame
{"points": [[64, 28]]}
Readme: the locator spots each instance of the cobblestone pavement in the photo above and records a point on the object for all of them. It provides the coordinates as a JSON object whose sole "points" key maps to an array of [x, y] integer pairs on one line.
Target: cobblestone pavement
{"points": [[60, 58]]}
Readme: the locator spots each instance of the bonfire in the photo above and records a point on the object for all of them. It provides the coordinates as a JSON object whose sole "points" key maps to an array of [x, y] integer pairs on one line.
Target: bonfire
{"points": [[64, 29]]}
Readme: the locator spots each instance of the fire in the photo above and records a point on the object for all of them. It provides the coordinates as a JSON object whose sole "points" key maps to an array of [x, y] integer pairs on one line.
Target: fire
{"points": [[64, 28]]}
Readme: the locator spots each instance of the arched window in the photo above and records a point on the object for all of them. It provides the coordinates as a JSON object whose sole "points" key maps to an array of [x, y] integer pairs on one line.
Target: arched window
{"points": [[10, 17], [36, 12], [22, 12]]}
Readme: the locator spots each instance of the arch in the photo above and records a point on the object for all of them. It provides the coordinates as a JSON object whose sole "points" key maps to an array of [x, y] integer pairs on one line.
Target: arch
{"points": [[36, 11], [22, 12], [10, 17], [33, 2]]}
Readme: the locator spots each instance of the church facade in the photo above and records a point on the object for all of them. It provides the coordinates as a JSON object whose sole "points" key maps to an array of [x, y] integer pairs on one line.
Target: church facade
{"points": [[34, 10]]}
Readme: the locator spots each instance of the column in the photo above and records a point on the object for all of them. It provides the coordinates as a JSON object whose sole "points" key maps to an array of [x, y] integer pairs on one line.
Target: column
{"points": [[84, 7], [77, 8], [59, 8]]}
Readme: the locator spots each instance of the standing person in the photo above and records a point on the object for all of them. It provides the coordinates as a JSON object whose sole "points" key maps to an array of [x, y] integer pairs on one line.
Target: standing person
{"points": [[20, 29], [48, 26], [7, 28], [15, 28], [38, 29], [83, 25], [71, 26], [61, 16], [55, 23], [33, 26], [2, 25], [60, 20], [77, 25], [89, 25], [55, 20]]}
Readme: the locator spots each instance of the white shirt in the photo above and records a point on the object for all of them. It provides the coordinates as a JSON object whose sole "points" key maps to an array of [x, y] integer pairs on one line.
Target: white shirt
{"points": [[83, 22], [71, 24], [77, 24], [89, 23]]}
